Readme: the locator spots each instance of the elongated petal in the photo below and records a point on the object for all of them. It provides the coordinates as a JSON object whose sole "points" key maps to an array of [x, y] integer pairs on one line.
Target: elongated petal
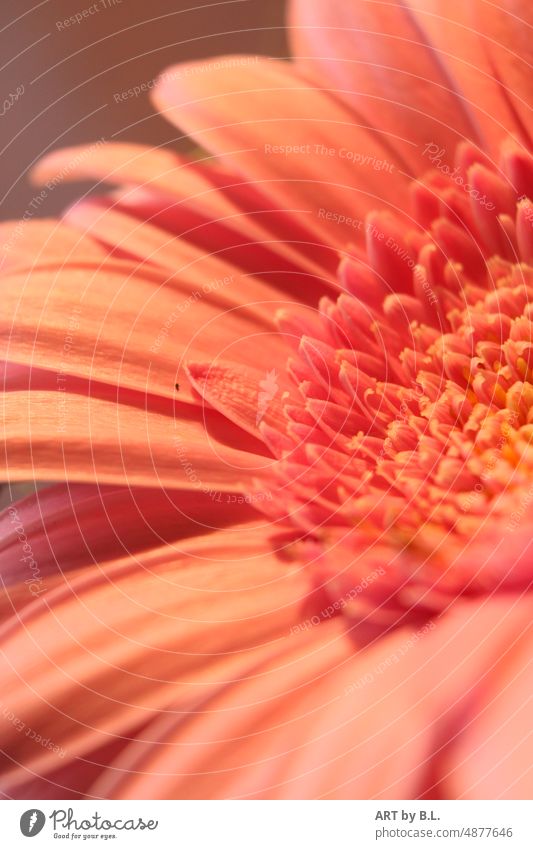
{"points": [[135, 326], [378, 60], [244, 397], [270, 125], [325, 729], [68, 526], [98, 657], [131, 164], [25, 241], [212, 208], [487, 47], [492, 757], [64, 436], [507, 38], [275, 267]]}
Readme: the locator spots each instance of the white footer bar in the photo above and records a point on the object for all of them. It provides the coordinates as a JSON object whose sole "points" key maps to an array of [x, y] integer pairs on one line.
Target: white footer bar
{"points": [[268, 824]]}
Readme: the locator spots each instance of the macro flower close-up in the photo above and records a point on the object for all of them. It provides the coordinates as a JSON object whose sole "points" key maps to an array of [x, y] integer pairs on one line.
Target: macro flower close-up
{"points": [[267, 414]]}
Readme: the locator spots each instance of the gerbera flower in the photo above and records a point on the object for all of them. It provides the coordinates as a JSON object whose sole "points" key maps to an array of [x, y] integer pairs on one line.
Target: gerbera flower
{"points": [[284, 390]]}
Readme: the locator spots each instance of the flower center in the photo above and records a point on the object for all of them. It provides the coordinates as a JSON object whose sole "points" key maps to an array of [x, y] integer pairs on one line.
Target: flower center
{"points": [[411, 447]]}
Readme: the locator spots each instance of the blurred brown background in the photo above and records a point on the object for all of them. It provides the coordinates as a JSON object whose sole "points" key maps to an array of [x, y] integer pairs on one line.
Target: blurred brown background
{"points": [[58, 79]]}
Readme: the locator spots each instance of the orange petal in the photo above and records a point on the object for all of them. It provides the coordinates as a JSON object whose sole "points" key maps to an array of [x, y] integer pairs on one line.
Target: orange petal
{"points": [[96, 658], [486, 48], [135, 326], [23, 242], [244, 396], [58, 435], [68, 526], [269, 125], [124, 233], [379, 61], [492, 757], [341, 723], [203, 205], [127, 164], [507, 33]]}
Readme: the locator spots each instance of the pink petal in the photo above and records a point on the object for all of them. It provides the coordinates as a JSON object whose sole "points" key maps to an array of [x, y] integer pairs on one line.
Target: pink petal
{"points": [[485, 46], [379, 61], [206, 206], [68, 526], [265, 124], [340, 723], [42, 241], [97, 657], [65, 436], [134, 326]]}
